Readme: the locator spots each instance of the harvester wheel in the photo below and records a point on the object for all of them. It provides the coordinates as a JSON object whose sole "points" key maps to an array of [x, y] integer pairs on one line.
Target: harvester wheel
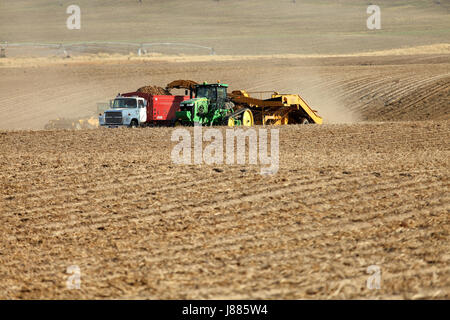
{"points": [[178, 123], [247, 118], [231, 122], [304, 121]]}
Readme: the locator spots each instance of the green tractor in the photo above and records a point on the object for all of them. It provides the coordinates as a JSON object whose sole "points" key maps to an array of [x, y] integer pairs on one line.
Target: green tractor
{"points": [[211, 106]]}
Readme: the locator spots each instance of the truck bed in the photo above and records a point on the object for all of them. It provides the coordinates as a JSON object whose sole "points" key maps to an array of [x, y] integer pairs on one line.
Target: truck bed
{"points": [[160, 108]]}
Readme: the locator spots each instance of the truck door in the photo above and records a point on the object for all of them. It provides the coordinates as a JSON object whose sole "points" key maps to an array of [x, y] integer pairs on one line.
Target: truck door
{"points": [[142, 111]]}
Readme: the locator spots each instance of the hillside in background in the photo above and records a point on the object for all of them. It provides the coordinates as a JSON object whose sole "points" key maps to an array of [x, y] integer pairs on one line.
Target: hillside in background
{"points": [[232, 26]]}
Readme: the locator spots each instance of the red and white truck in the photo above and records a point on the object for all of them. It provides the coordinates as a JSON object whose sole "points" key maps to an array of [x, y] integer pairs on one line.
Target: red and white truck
{"points": [[134, 109]]}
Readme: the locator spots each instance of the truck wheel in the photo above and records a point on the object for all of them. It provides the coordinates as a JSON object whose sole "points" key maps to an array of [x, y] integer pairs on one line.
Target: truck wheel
{"points": [[134, 124]]}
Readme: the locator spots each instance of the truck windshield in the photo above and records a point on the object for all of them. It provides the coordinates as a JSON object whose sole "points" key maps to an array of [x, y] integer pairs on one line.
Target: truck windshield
{"points": [[124, 103]]}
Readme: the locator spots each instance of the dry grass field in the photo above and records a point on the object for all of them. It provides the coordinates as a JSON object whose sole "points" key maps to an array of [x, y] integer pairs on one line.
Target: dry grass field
{"points": [[232, 26], [369, 187]]}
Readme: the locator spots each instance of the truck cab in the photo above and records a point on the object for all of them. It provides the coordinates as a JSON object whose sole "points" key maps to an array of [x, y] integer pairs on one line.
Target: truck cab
{"points": [[127, 111]]}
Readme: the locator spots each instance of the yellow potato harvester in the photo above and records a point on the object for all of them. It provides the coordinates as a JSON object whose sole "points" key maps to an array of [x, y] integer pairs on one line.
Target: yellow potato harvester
{"points": [[88, 122], [279, 109], [77, 124]]}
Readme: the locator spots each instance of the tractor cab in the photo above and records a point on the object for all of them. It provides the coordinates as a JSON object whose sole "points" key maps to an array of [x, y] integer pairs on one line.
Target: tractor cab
{"points": [[209, 106], [215, 93]]}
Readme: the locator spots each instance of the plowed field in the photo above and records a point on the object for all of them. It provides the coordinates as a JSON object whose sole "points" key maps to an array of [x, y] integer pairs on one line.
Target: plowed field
{"points": [[342, 89], [345, 197], [369, 187]]}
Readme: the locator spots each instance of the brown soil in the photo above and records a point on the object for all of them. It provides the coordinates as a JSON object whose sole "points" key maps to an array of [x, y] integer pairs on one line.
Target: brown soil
{"points": [[346, 196], [369, 187], [342, 89], [154, 90]]}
